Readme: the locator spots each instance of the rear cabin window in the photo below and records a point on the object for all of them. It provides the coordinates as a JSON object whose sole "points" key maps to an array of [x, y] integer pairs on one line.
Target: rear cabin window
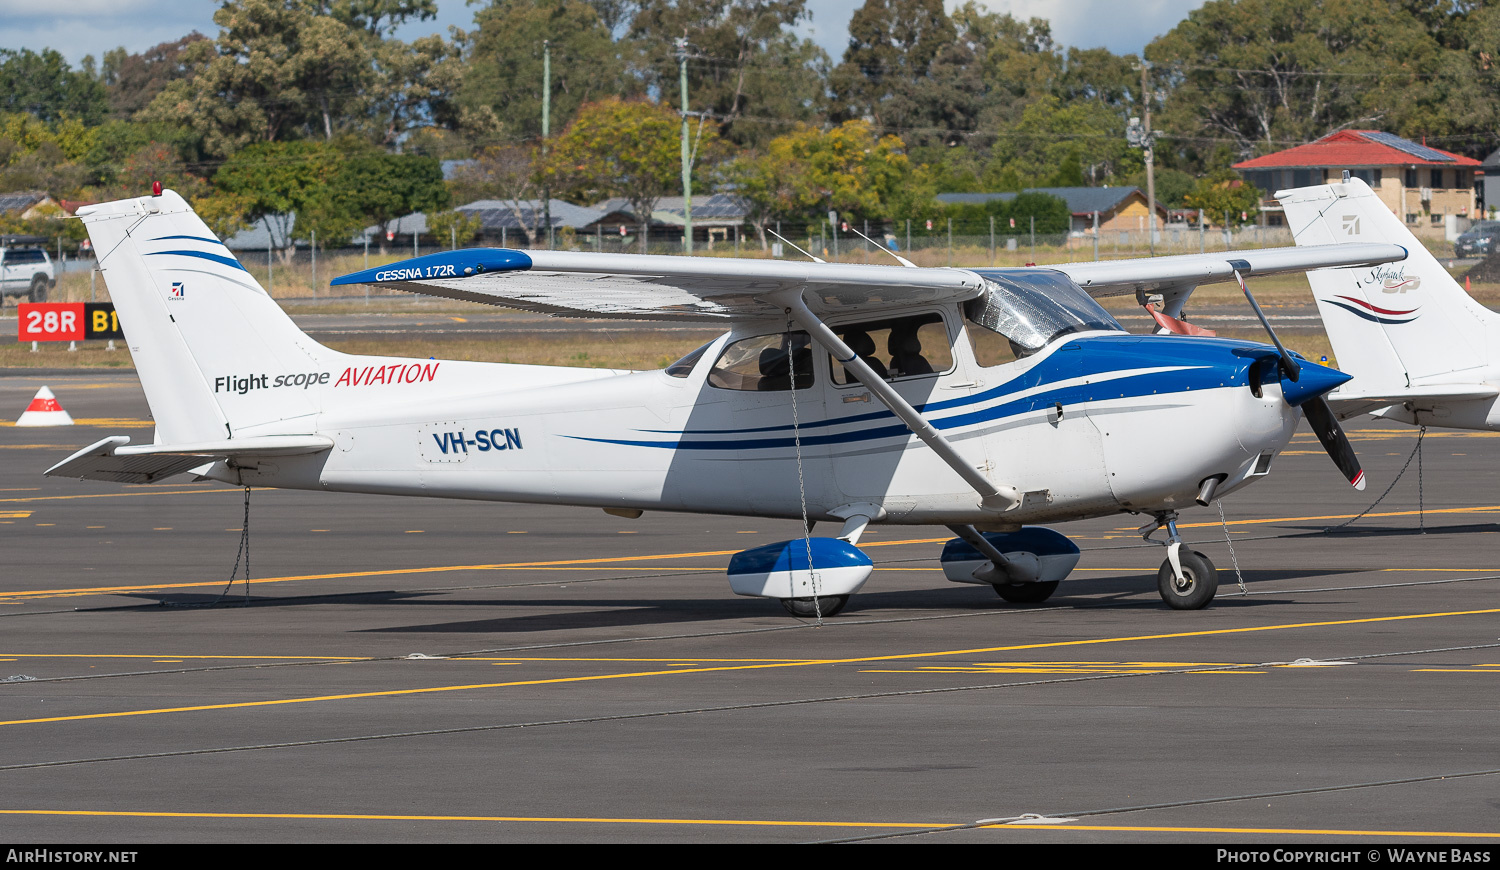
{"points": [[902, 347], [684, 367], [764, 363]]}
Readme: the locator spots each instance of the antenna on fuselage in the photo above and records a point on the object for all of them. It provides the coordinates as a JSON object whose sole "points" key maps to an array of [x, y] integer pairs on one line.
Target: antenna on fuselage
{"points": [[905, 262], [799, 250]]}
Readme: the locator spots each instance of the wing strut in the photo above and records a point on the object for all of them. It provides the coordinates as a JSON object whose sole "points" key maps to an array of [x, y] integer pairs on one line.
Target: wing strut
{"points": [[991, 497]]}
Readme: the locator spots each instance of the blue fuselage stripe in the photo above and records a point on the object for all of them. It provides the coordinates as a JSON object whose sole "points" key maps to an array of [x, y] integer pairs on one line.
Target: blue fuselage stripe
{"points": [[1161, 383]]}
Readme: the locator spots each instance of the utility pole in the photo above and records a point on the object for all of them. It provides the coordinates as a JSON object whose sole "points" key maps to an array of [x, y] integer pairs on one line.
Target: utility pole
{"points": [[546, 131], [687, 158], [1140, 135]]}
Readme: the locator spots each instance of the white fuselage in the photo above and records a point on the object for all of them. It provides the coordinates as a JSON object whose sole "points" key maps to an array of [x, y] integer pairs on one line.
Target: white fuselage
{"points": [[1094, 424]]}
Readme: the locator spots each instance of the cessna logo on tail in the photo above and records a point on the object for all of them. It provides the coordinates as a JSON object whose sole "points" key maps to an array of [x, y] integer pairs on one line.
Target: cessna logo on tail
{"points": [[1351, 224]]}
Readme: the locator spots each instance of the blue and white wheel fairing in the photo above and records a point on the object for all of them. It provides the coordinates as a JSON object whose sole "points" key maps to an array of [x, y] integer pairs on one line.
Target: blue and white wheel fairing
{"points": [[1056, 555], [780, 570]]}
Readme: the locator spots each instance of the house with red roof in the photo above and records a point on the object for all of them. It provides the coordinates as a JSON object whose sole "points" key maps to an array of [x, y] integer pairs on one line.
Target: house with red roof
{"points": [[1421, 184]]}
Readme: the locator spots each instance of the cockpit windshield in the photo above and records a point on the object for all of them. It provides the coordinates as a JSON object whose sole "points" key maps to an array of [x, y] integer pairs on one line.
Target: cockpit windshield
{"points": [[1033, 307]]}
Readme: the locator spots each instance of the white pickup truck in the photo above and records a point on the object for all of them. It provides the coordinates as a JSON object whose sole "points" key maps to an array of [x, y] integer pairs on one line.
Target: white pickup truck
{"points": [[25, 268]]}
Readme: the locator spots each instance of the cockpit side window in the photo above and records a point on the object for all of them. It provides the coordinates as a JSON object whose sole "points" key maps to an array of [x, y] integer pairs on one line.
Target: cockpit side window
{"points": [[896, 348], [1030, 308], [764, 363]]}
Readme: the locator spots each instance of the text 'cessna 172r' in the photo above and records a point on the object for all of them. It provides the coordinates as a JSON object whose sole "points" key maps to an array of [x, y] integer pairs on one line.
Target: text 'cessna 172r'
{"points": [[985, 400]]}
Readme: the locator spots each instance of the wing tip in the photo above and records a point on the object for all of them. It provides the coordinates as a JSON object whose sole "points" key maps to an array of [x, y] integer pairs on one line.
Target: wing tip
{"points": [[464, 263]]}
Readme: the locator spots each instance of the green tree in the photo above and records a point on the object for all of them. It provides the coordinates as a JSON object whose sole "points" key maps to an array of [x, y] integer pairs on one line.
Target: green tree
{"points": [[1052, 137], [35, 155], [619, 148], [744, 64], [451, 226], [808, 172], [1222, 194], [1172, 185], [153, 161], [375, 188], [413, 87], [44, 85], [1017, 61], [505, 173], [1263, 74], [277, 70], [134, 80], [280, 181], [906, 69], [502, 78], [1012, 216], [379, 18]]}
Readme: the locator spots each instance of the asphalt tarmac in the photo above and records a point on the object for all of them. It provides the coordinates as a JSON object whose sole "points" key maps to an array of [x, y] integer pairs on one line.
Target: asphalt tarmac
{"points": [[425, 671]]}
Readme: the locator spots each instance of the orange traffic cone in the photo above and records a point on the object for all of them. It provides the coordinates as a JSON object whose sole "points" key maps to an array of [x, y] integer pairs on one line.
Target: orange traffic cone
{"points": [[44, 411]]}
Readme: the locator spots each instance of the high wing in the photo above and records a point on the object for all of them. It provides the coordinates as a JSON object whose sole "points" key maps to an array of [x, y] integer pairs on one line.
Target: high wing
{"points": [[653, 287], [1186, 271], [644, 286]]}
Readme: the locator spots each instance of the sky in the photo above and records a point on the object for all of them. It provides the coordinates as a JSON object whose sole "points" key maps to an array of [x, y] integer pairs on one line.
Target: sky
{"points": [[83, 27]]}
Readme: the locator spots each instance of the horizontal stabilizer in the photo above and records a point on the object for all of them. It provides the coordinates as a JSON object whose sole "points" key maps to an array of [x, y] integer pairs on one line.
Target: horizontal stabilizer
{"points": [[114, 460], [1349, 404]]}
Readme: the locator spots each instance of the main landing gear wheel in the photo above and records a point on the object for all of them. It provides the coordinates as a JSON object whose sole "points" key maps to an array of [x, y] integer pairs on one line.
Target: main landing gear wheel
{"points": [[828, 605], [1025, 593], [1200, 580]]}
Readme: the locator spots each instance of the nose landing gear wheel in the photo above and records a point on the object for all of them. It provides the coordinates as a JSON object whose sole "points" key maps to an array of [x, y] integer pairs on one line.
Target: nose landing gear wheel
{"points": [[1025, 593], [1200, 580], [828, 605]]}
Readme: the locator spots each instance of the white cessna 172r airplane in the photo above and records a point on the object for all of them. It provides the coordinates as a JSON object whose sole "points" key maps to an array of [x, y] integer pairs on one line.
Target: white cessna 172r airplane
{"points": [[980, 399], [1420, 349]]}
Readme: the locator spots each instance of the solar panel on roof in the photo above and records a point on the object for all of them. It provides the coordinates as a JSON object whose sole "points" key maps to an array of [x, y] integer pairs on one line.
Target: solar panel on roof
{"points": [[1421, 152]]}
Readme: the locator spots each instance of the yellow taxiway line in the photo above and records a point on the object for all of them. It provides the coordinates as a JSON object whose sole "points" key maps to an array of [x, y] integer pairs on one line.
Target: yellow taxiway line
{"points": [[1479, 509], [591, 678], [131, 494], [430, 569], [757, 823]]}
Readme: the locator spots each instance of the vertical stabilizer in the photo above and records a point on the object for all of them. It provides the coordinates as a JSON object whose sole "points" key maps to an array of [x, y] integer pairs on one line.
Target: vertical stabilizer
{"points": [[199, 328], [1396, 326]]}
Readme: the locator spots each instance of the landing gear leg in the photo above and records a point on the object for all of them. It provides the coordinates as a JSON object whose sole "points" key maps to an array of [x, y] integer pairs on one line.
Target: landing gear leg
{"points": [[1187, 579]]}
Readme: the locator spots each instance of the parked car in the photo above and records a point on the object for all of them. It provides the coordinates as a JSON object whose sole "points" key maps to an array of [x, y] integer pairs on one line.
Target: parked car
{"points": [[1479, 241], [25, 268]]}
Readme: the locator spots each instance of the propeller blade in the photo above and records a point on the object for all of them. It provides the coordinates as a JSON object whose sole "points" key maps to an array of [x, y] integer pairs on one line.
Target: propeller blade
{"points": [[1288, 363], [1326, 426]]}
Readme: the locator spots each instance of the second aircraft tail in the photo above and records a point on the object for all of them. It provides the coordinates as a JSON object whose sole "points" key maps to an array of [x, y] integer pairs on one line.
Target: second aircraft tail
{"points": [[1398, 327]]}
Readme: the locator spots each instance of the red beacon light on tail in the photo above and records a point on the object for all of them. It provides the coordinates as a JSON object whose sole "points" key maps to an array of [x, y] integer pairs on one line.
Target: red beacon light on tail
{"points": [[156, 188]]}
